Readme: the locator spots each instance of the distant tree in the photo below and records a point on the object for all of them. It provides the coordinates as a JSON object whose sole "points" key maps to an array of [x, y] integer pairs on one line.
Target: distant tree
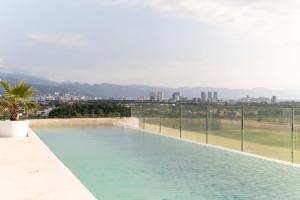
{"points": [[90, 109]]}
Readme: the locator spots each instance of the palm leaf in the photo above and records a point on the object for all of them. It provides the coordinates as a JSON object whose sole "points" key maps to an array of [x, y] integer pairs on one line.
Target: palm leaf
{"points": [[5, 86], [21, 90]]}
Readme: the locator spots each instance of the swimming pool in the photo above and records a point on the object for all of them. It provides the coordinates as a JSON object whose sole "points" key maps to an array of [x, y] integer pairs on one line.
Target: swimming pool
{"points": [[118, 163]]}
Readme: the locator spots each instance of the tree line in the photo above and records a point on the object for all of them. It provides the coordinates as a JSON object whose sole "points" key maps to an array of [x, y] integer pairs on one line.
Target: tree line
{"points": [[90, 109]]}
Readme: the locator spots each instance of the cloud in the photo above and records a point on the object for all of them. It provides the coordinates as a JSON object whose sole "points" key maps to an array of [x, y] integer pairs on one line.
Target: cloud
{"points": [[275, 20], [64, 40]]}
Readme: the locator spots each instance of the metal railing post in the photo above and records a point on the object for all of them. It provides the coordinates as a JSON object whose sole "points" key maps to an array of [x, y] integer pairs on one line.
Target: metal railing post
{"points": [[206, 125], [292, 135], [160, 118], [143, 117], [160, 124], [243, 128], [180, 126]]}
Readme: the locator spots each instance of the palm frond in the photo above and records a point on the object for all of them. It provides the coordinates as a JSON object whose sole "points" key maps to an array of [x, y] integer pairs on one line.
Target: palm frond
{"points": [[5, 85], [21, 90]]}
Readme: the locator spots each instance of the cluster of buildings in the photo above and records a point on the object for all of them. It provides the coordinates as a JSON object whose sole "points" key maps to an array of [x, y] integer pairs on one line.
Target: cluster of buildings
{"points": [[206, 97], [156, 96], [259, 100], [177, 97], [211, 97], [63, 97]]}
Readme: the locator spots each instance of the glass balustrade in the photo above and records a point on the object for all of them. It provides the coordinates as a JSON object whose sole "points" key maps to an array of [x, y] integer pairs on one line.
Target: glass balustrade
{"points": [[265, 130]]}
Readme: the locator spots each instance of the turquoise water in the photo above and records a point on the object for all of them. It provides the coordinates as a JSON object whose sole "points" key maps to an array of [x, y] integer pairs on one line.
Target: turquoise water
{"points": [[117, 163]]}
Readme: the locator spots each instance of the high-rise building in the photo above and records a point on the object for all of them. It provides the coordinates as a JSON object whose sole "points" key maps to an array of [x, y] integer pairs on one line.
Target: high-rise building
{"points": [[176, 96], [215, 97], [209, 96], [152, 96], [203, 96], [274, 100], [160, 96]]}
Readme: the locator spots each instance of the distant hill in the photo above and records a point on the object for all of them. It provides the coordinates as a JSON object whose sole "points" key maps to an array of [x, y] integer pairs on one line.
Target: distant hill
{"points": [[107, 90]]}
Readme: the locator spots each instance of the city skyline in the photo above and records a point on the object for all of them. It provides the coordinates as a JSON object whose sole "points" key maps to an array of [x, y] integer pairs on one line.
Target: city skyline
{"points": [[107, 90], [229, 44]]}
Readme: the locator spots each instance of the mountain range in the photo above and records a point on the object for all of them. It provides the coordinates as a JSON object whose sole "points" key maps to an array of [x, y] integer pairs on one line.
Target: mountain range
{"points": [[108, 90]]}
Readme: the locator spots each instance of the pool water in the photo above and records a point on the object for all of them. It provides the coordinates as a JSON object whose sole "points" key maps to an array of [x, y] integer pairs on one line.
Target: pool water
{"points": [[118, 163]]}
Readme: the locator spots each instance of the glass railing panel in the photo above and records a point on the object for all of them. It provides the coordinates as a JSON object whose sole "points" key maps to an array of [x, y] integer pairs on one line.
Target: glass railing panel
{"points": [[268, 131], [296, 135], [137, 112], [152, 124], [151, 113], [193, 122], [225, 126], [170, 120]]}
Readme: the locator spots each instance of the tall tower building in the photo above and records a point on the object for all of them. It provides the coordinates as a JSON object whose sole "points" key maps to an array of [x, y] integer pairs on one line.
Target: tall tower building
{"points": [[274, 100], [209, 97], [160, 96], [176, 96], [152, 96], [203, 96], [215, 97]]}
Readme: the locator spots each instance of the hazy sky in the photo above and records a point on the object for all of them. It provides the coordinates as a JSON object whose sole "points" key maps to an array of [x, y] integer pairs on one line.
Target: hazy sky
{"points": [[221, 43]]}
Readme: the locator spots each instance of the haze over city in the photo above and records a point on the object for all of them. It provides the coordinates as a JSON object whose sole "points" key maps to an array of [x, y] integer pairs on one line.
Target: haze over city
{"points": [[233, 44]]}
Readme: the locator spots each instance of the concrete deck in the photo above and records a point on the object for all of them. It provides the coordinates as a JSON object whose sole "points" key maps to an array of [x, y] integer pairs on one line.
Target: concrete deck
{"points": [[30, 171]]}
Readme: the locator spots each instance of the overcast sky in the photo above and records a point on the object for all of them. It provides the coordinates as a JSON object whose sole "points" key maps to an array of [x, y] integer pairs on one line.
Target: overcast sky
{"points": [[220, 43]]}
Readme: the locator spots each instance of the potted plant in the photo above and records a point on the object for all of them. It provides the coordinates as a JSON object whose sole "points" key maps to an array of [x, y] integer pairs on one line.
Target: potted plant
{"points": [[17, 98]]}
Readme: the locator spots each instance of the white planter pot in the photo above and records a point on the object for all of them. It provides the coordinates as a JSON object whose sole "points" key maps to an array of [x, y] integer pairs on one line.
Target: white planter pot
{"points": [[14, 128]]}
